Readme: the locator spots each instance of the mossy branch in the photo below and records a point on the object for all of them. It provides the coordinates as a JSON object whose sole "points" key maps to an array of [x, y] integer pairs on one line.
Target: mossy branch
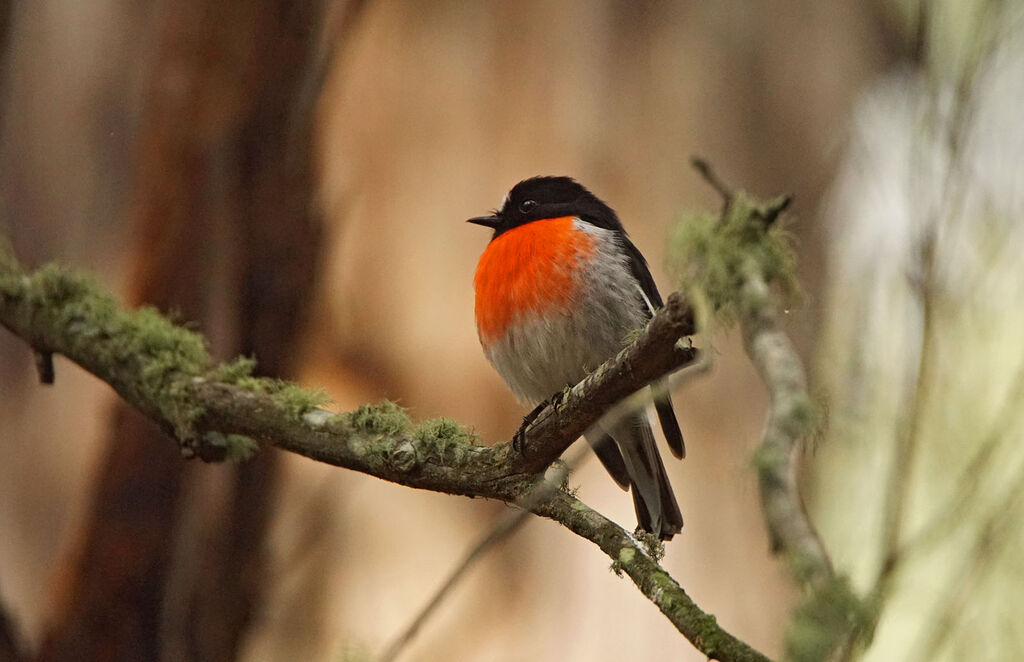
{"points": [[736, 260], [220, 411]]}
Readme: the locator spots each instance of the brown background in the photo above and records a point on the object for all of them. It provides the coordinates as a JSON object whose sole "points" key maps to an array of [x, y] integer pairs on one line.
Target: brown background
{"points": [[430, 111]]}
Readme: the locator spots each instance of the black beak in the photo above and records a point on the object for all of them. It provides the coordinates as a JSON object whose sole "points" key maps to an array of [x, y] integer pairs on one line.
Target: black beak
{"points": [[492, 221]]}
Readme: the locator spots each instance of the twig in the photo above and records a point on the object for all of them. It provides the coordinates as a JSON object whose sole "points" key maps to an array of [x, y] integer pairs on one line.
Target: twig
{"points": [[631, 557], [905, 447], [708, 173], [509, 523], [640, 399], [830, 615], [782, 371], [954, 132], [506, 525], [776, 359]]}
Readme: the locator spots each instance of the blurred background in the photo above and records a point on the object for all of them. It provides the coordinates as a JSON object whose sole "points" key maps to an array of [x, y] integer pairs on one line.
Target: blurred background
{"points": [[293, 178]]}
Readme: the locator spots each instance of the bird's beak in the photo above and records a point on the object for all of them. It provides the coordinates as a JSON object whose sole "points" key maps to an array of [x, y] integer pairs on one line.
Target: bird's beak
{"points": [[491, 221]]}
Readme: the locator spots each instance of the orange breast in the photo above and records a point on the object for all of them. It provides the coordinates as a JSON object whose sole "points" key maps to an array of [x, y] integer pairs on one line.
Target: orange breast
{"points": [[527, 270]]}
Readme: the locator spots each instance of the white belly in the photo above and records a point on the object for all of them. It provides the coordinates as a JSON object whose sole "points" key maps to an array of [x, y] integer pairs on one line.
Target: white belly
{"points": [[540, 355]]}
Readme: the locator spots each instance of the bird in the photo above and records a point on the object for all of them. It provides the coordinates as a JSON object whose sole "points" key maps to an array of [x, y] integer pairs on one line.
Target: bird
{"points": [[559, 289]]}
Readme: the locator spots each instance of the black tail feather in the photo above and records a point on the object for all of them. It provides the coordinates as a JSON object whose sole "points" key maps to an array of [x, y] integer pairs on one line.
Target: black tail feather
{"points": [[668, 420], [611, 458], [657, 510]]}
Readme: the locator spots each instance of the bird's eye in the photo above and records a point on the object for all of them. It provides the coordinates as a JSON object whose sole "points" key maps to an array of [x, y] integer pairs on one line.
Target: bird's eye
{"points": [[526, 205]]}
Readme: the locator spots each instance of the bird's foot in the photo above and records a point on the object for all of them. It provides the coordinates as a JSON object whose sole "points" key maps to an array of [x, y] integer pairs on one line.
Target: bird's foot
{"points": [[520, 436]]}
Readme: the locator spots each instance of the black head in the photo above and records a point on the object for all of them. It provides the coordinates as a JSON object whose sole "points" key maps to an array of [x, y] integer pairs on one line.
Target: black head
{"points": [[549, 197]]}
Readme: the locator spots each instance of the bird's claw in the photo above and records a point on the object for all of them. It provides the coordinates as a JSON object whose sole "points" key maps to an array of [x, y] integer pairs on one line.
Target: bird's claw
{"points": [[519, 438]]}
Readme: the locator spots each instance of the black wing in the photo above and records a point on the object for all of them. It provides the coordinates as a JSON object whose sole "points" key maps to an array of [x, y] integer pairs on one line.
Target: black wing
{"points": [[662, 401], [638, 267]]}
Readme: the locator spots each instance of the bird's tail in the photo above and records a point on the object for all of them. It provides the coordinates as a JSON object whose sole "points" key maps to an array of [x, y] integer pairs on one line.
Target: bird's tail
{"points": [[657, 510]]}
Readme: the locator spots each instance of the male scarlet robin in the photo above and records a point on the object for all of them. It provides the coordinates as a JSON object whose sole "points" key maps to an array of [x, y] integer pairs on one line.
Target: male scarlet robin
{"points": [[558, 290]]}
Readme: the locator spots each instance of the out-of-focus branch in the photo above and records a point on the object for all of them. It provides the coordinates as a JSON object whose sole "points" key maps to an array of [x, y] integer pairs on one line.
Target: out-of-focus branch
{"points": [[740, 273], [776, 359], [990, 543], [981, 44], [790, 415], [508, 524], [215, 411], [505, 527]]}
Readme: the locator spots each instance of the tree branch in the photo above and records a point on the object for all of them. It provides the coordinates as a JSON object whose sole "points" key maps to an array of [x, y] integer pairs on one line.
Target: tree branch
{"points": [[165, 372], [791, 415], [748, 260], [632, 558]]}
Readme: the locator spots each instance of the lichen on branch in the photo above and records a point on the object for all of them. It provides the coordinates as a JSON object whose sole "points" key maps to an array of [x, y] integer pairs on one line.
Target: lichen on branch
{"points": [[220, 411], [150, 361], [712, 253], [742, 263]]}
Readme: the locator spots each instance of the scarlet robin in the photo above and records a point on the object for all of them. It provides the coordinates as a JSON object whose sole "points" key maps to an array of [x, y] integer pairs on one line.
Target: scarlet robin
{"points": [[559, 288]]}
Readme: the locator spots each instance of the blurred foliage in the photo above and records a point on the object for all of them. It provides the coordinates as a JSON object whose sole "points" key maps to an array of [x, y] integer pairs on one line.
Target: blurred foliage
{"points": [[918, 485]]}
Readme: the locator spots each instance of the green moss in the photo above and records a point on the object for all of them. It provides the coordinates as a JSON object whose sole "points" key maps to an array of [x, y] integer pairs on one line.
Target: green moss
{"points": [[667, 592], [710, 253], [626, 556], [803, 421], [667, 596], [768, 457], [256, 384], [443, 430], [235, 371], [297, 400], [385, 418], [709, 634], [803, 566], [237, 447], [444, 439], [652, 544], [632, 335], [145, 356], [241, 447], [821, 621], [162, 354], [804, 414]]}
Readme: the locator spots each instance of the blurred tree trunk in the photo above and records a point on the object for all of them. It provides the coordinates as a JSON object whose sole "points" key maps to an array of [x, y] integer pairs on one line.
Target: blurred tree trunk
{"points": [[6, 9], [277, 228], [228, 236], [10, 641]]}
